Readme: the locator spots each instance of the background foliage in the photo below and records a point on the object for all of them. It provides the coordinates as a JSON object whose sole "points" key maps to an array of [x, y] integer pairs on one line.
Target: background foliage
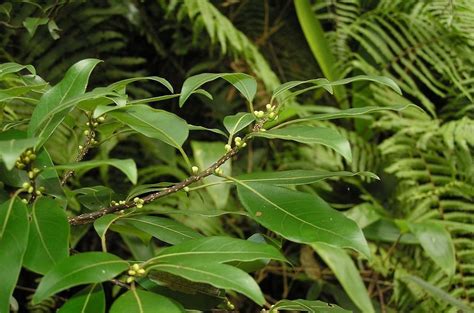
{"points": [[417, 218]]}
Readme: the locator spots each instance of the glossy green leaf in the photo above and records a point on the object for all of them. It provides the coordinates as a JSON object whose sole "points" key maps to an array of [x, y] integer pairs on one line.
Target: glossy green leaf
{"points": [[102, 225], [14, 228], [124, 82], [438, 293], [218, 275], [437, 243], [157, 124], [140, 301], [218, 250], [10, 150], [79, 269], [127, 166], [48, 242], [245, 84], [302, 305], [205, 154], [300, 217], [11, 67], [51, 110], [348, 275], [237, 122], [164, 229], [298, 177], [311, 135], [89, 300]]}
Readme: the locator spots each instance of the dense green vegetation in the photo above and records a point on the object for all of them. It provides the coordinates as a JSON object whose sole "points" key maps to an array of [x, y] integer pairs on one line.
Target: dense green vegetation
{"points": [[171, 156]]}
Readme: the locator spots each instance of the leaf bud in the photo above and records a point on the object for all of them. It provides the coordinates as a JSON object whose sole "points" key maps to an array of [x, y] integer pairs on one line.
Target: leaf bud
{"points": [[195, 170], [186, 189]]}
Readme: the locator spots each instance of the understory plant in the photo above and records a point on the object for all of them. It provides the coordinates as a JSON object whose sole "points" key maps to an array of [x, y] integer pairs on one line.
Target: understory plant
{"points": [[151, 255]]}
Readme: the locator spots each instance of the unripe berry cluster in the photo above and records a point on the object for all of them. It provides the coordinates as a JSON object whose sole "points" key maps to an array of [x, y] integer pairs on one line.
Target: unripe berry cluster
{"points": [[135, 271], [270, 112], [25, 159], [138, 202]]}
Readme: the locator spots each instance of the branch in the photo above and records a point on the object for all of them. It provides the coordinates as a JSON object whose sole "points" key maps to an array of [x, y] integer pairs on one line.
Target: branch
{"points": [[87, 218]]}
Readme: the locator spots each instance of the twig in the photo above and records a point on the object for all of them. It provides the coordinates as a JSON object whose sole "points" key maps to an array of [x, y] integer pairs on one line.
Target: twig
{"points": [[87, 218]]}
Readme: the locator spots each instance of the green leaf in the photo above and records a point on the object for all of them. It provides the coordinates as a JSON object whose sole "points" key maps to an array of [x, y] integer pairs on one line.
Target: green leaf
{"points": [[102, 225], [52, 109], [127, 166], [53, 29], [350, 113], [383, 80], [347, 274], [237, 122], [311, 135], [123, 83], [437, 243], [302, 305], [157, 124], [300, 217], [32, 23], [79, 269], [438, 293], [89, 300], [11, 67], [245, 84], [140, 301], [205, 154], [283, 88], [218, 275], [298, 177], [213, 130], [164, 229], [48, 242], [217, 250], [14, 228], [10, 150], [94, 197]]}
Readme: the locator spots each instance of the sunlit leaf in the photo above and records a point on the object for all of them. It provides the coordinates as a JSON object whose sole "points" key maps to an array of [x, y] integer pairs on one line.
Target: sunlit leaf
{"points": [[300, 217]]}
